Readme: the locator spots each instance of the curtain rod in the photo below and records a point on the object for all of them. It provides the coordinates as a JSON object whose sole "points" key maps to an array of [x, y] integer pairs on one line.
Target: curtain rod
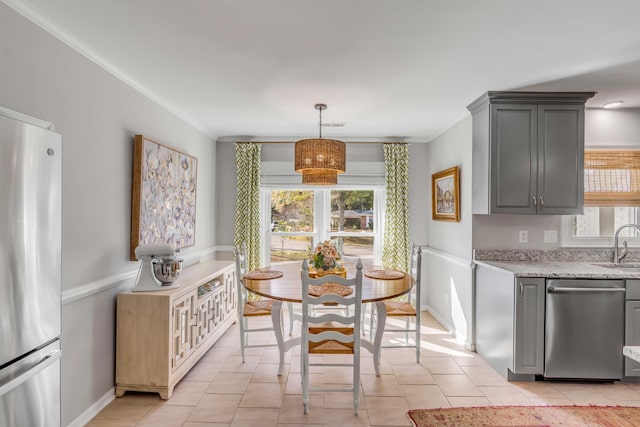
{"points": [[346, 142]]}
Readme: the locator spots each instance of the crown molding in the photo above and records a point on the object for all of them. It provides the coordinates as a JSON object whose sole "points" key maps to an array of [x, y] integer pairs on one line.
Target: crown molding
{"points": [[73, 43], [292, 139]]}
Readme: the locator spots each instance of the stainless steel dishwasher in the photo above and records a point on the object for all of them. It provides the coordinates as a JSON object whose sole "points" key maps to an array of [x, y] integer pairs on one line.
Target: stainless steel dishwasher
{"points": [[584, 329]]}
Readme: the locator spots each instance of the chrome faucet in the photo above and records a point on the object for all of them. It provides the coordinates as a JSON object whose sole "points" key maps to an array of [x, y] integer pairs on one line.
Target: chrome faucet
{"points": [[617, 258]]}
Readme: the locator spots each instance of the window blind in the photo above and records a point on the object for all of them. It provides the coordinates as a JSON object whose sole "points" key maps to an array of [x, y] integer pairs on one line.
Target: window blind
{"points": [[611, 178], [358, 174]]}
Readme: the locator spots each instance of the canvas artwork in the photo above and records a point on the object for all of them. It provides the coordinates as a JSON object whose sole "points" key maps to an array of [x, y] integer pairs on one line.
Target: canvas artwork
{"points": [[163, 208], [445, 188]]}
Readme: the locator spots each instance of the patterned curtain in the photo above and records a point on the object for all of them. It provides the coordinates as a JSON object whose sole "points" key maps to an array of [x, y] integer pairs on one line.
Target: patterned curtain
{"points": [[247, 226], [396, 244]]}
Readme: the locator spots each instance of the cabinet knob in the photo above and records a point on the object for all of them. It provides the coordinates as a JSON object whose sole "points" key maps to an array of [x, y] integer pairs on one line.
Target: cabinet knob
{"points": [[541, 202], [535, 201]]}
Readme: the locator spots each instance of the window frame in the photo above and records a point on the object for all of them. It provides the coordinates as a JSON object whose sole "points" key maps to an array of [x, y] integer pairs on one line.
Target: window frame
{"points": [[570, 241], [322, 217]]}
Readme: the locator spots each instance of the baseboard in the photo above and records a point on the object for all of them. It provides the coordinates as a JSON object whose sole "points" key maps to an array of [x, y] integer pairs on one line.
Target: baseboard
{"points": [[460, 339], [94, 409]]}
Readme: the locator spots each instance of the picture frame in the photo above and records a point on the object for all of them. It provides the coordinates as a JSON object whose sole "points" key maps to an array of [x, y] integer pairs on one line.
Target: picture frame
{"points": [[163, 195], [445, 195]]}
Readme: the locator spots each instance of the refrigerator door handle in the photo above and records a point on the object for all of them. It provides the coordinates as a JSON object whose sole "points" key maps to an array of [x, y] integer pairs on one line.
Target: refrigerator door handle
{"points": [[566, 290], [13, 383]]}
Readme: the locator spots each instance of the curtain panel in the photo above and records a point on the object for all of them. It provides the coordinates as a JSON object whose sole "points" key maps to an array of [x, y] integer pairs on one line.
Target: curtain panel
{"points": [[396, 243], [247, 218]]}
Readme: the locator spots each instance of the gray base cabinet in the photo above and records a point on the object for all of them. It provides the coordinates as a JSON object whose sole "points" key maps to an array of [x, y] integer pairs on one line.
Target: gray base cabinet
{"points": [[529, 326], [528, 152], [632, 336], [510, 323], [632, 324]]}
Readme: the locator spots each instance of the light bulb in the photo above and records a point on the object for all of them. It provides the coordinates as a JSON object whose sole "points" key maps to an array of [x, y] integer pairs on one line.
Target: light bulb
{"points": [[614, 104]]}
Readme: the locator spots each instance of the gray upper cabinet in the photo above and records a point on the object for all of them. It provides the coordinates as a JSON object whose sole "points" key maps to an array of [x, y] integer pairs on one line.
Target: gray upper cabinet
{"points": [[528, 152]]}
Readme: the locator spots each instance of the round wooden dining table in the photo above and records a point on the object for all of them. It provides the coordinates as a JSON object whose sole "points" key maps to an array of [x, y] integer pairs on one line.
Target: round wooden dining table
{"points": [[288, 288]]}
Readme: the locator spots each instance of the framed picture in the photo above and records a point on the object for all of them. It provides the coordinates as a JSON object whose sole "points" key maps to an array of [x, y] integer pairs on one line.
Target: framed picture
{"points": [[445, 195], [163, 196]]}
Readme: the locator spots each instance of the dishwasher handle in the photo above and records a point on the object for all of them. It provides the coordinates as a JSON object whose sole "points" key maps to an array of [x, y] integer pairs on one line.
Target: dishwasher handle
{"points": [[568, 290]]}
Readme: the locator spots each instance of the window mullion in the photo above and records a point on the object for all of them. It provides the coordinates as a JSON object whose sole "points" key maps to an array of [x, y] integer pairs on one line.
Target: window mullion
{"points": [[322, 226]]}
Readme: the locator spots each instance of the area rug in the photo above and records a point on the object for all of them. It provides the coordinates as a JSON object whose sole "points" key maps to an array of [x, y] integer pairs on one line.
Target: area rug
{"points": [[565, 416]]}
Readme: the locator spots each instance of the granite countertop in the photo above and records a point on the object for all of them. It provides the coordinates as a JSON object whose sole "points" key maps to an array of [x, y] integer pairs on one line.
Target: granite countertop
{"points": [[632, 352], [584, 264], [563, 269]]}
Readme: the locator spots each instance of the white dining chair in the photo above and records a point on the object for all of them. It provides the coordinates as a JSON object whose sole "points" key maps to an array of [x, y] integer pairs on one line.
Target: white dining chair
{"points": [[248, 308], [331, 333], [409, 308]]}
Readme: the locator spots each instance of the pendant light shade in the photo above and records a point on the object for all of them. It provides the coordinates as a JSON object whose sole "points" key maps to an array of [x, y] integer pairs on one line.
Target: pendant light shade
{"points": [[320, 153], [320, 160], [319, 177]]}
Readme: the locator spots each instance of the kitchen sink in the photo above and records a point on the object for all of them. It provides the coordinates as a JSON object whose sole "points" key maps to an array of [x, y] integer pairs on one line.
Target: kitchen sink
{"points": [[630, 266]]}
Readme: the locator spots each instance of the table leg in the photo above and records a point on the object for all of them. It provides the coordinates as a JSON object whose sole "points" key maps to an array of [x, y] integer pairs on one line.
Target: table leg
{"points": [[381, 316], [276, 319]]}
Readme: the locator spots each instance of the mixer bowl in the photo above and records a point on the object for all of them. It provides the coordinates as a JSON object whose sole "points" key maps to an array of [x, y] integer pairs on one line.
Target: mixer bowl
{"points": [[167, 270]]}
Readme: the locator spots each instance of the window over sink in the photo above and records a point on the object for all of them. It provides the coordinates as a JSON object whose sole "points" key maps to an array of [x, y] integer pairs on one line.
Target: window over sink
{"points": [[611, 199]]}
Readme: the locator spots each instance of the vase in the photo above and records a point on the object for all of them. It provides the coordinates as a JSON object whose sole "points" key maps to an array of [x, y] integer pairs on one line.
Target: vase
{"points": [[339, 271], [329, 266]]}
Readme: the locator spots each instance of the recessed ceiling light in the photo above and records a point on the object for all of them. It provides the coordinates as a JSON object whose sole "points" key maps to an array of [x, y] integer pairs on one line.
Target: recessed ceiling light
{"points": [[614, 104]]}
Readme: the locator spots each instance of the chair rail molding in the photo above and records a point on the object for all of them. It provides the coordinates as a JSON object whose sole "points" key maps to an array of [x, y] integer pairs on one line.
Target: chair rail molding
{"points": [[447, 256], [126, 280]]}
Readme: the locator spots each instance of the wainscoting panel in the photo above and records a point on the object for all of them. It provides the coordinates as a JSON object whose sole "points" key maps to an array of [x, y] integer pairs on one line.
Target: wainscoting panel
{"points": [[447, 292]]}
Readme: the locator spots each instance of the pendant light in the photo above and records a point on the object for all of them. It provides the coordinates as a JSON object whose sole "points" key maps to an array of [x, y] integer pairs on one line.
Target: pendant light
{"points": [[320, 160]]}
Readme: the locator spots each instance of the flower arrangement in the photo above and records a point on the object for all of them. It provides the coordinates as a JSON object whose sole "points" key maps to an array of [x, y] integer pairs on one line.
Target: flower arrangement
{"points": [[325, 256]]}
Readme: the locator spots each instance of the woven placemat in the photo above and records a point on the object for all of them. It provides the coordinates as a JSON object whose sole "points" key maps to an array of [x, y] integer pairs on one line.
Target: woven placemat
{"points": [[263, 274], [330, 288], [384, 274]]}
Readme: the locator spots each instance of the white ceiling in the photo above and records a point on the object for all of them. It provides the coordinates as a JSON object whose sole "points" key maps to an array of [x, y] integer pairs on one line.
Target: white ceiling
{"points": [[404, 68]]}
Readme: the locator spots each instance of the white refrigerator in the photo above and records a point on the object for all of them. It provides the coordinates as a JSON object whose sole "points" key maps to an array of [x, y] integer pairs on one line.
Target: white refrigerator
{"points": [[30, 274]]}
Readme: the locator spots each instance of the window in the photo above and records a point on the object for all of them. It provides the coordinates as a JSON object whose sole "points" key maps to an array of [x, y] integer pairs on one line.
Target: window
{"points": [[297, 217], [611, 198]]}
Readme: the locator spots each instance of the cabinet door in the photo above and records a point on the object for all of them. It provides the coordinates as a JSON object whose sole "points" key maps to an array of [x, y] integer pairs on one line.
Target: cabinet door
{"points": [[203, 315], [560, 159], [632, 336], [230, 298], [216, 309], [513, 158], [528, 354], [183, 328]]}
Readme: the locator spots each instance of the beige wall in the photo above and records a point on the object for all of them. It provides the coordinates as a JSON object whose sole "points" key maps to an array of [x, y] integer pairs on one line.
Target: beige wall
{"points": [[447, 278], [97, 115]]}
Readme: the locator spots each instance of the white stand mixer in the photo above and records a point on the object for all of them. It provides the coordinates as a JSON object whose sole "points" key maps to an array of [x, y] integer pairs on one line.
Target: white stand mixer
{"points": [[159, 269]]}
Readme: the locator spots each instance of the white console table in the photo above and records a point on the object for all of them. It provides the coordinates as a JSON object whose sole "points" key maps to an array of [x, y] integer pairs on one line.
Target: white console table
{"points": [[160, 335]]}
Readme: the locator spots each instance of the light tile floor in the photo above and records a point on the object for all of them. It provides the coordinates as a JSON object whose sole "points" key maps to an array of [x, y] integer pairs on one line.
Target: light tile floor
{"points": [[222, 391]]}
